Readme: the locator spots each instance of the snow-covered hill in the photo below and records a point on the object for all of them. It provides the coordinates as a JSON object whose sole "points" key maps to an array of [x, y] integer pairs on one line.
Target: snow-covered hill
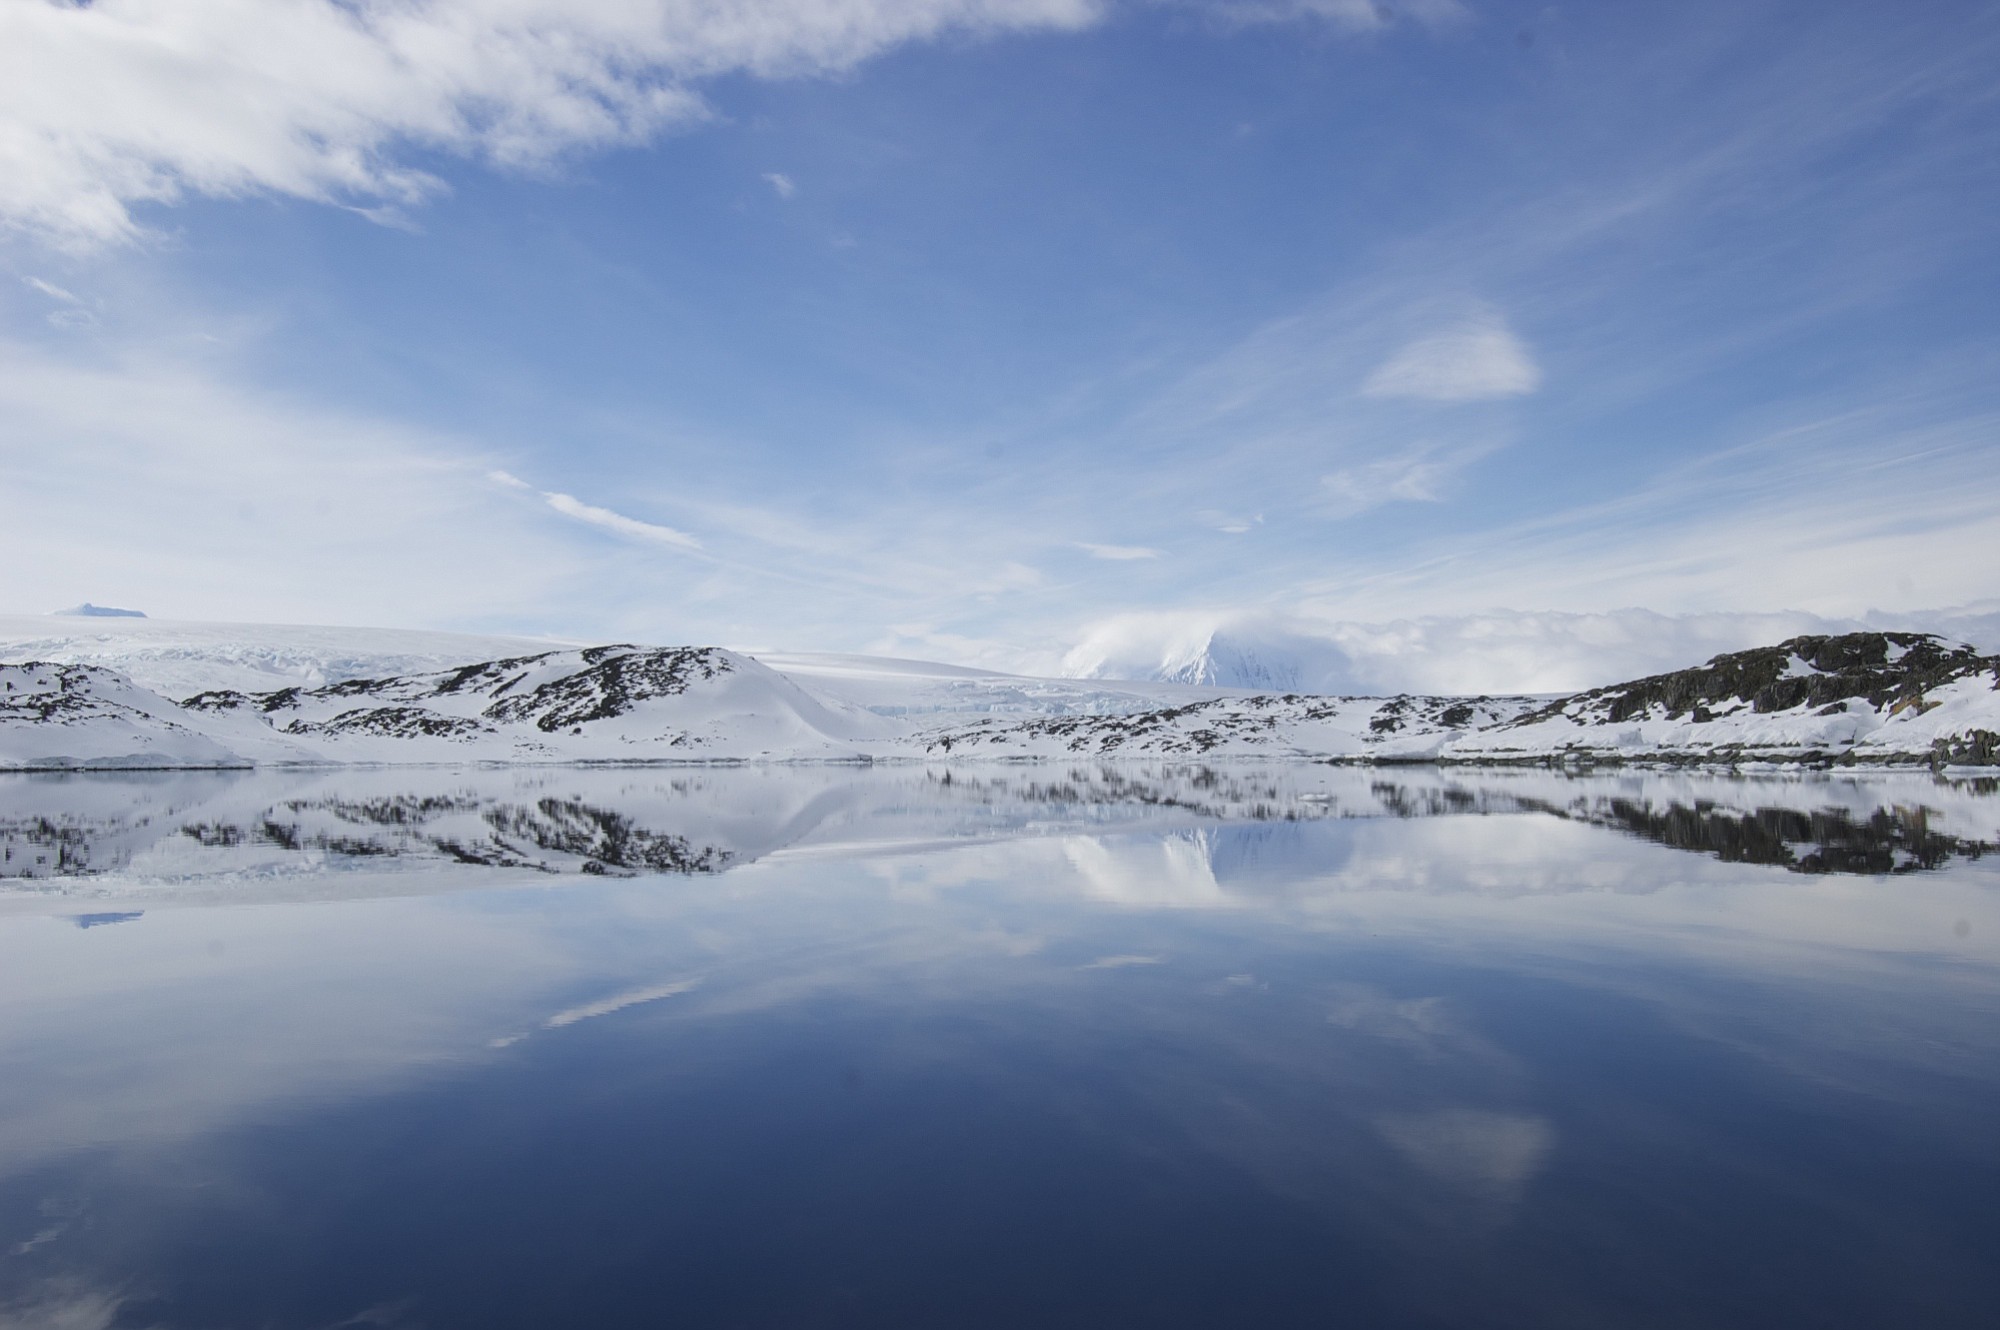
{"points": [[82, 716], [614, 703], [1885, 697], [151, 694]]}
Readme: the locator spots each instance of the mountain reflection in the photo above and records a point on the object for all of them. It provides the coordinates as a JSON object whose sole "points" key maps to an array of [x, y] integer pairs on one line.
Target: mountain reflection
{"points": [[1888, 840], [197, 826]]}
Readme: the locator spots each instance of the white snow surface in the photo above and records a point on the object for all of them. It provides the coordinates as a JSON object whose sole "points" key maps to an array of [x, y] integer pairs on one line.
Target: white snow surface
{"points": [[927, 690]]}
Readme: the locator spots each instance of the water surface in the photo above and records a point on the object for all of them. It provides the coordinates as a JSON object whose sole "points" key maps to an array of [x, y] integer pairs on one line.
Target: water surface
{"points": [[1047, 1045]]}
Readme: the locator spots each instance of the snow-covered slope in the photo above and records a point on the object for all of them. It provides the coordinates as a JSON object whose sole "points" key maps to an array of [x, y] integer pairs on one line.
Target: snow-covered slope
{"points": [[1864, 696], [930, 692], [81, 716], [611, 703]]}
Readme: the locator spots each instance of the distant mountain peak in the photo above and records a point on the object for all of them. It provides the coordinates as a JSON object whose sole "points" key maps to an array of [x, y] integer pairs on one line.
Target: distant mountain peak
{"points": [[90, 611], [1276, 662]]}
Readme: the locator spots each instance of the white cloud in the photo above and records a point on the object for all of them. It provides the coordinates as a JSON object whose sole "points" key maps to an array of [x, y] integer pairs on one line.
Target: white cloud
{"points": [[1009, 576], [1526, 652], [73, 314], [571, 506], [322, 99], [1118, 553], [1477, 358], [1230, 524], [1417, 475], [51, 290], [1357, 15], [782, 184]]}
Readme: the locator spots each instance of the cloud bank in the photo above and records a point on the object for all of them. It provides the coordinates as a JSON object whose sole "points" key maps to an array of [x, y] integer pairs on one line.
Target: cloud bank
{"points": [[1501, 651], [328, 99]]}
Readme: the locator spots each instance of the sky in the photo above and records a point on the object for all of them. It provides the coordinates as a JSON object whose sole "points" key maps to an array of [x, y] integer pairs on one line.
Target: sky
{"points": [[1026, 333]]}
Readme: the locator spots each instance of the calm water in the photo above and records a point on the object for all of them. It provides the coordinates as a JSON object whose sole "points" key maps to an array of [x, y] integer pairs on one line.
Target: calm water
{"points": [[1034, 1046]]}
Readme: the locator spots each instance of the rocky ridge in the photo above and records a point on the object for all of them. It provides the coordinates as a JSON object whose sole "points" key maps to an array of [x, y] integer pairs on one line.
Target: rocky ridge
{"points": [[1859, 697], [1404, 728]]}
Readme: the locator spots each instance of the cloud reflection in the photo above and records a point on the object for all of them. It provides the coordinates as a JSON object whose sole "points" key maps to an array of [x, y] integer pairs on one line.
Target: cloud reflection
{"points": [[1493, 1154]]}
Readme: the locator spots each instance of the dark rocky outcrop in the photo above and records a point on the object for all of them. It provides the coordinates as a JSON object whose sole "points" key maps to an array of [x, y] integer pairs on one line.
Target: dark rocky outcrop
{"points": [[615, 680], [1881, 669]]}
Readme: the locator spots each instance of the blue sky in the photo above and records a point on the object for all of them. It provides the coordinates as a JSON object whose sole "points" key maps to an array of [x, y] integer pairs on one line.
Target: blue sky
{"points": [[976, 329]]}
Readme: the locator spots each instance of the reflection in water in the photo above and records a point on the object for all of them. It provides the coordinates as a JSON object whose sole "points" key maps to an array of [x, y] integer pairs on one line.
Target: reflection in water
{"points": [[1828, 840], [1057, 1046], [188, 826]]}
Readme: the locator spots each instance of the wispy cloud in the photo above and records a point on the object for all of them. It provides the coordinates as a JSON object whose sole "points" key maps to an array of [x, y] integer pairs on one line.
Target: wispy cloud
{"points": [[1230, 524], [1120, 962], [1417, 475], [1118, 553], [74, 313], [781, 184], [571, 506], [51, 290], [1354, 15], [1477, 358]]}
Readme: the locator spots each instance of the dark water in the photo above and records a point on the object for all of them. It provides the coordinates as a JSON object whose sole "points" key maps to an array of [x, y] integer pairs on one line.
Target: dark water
{"points": [[1037, 1046]]}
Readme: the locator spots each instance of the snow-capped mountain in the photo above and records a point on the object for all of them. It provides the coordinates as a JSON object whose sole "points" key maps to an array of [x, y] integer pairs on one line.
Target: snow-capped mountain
{"points": [[1266, 662]]}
